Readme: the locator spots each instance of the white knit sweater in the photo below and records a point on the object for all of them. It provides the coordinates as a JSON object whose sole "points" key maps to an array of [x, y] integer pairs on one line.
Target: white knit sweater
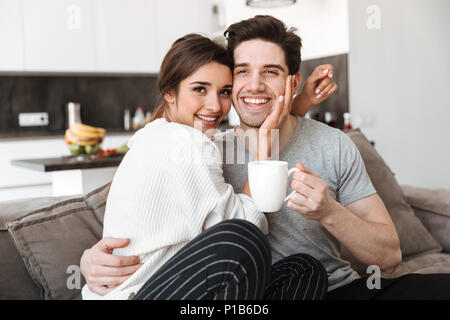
{"points": [[168, 189]]}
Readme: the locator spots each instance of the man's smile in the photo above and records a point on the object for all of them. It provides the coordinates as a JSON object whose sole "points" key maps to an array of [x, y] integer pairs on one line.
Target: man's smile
{"points": [[255, 103]]}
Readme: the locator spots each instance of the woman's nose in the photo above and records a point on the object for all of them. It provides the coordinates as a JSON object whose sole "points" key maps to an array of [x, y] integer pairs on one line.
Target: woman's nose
{"points": [[213, 103]]}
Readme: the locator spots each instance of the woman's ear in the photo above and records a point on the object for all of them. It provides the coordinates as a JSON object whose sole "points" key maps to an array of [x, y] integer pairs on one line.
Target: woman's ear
{"points": [[170, 97]]}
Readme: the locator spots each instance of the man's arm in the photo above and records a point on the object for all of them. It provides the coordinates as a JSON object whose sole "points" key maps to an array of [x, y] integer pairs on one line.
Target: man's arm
{"points": [[366, 219], [364, 227]]}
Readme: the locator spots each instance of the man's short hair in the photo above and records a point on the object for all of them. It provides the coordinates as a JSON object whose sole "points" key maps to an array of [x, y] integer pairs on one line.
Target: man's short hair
{"points": [[270, 29]]}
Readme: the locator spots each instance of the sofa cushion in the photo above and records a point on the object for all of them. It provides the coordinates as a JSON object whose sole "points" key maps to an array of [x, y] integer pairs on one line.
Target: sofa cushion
{"points": [[52, 239], [432, 207], [414, 237], [15, 281], [423, 263]]}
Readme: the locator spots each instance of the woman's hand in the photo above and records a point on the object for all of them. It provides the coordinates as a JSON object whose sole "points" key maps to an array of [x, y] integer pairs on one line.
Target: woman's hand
{"points": [[282, 107], [279, 114], [318, 87]]}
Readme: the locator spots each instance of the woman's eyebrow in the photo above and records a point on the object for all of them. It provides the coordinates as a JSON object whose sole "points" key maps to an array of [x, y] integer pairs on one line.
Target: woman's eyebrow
{"points": [[203, 83], [228, 86]]}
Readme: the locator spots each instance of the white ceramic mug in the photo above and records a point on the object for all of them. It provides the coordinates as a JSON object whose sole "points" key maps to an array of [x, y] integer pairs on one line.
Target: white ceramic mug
{"points": [[268, 181]]}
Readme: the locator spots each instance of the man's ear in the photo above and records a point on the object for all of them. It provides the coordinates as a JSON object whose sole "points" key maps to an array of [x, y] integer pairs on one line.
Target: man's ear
{"points": [[297, 81]]}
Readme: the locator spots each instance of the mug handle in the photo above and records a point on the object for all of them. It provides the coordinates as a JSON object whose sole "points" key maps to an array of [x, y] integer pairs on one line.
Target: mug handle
{"points": [[291, 171]]}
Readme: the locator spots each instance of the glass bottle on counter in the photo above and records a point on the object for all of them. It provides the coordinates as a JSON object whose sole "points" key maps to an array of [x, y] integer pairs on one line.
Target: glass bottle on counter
{"points": [[126, 120], [138, 119], [329, 119], [347, 122]]}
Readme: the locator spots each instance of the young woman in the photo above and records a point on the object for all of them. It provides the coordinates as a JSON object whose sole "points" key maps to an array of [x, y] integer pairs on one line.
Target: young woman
{"points": [[196, 238]]}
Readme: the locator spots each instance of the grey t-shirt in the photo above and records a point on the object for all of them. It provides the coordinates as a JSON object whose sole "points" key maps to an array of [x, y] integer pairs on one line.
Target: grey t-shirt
{"points": [[328, 152]]}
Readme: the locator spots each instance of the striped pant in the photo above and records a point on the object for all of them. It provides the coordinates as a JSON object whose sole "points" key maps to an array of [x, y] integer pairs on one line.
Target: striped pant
{"points": [[232, 261]]}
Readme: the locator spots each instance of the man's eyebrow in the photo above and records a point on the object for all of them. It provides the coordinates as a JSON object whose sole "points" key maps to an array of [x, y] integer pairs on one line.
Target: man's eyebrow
{"points": [[241, 65], [277, 66]]}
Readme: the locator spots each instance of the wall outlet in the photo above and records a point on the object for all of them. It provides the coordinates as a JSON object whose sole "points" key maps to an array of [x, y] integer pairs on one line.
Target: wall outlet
{"points": [[33, 119]]}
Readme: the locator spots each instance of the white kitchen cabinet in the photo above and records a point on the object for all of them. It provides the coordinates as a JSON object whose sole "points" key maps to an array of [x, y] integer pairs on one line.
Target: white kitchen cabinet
{"points": [[177, 18], [58, 35], [125, 36], [11, 36]]}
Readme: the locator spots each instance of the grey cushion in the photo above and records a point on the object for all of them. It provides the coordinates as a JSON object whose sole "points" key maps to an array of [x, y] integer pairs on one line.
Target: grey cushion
{"points": [[424, 263], [432, 207], [15, 281], [414, 237], [52, 239]]}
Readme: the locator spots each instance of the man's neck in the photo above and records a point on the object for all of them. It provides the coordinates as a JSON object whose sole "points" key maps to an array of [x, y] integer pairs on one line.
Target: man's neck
{"points": [[287, 129]]}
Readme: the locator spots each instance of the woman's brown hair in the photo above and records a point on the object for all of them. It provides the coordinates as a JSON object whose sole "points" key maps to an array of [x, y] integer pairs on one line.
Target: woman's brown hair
{"points": [[186, 55]]}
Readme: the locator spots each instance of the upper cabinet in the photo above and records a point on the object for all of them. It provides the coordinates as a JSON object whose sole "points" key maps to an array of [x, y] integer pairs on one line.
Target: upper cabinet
{"points": [[106, 36], [126, 36], [182, 17], [58, 35], [11, 40]]}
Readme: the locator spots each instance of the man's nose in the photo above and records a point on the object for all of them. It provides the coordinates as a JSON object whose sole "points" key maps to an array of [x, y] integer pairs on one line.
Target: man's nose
{"points": [[256, 83]]}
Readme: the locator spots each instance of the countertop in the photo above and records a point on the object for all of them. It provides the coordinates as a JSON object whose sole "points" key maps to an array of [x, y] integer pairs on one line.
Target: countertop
{"points": [[69, 162]]}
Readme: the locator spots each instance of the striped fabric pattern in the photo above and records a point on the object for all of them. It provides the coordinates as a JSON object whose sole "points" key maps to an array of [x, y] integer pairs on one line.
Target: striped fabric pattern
{"points": [[231, 261]]}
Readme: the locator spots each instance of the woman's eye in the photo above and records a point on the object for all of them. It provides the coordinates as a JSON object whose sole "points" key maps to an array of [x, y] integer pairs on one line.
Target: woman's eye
{"points": [[200, 89], [226, 92]]}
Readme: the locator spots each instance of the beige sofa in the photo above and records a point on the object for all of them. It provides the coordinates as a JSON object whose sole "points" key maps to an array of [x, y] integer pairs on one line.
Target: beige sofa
{"points": [[42, 239]]}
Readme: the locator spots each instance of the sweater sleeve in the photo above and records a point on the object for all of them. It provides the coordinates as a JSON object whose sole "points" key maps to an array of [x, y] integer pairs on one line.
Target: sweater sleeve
{"points": [[228, 204]]}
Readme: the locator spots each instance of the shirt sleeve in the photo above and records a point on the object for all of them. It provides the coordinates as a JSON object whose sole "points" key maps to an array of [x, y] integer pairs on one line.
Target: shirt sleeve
{"points": [[228, 204], [354, 182]]}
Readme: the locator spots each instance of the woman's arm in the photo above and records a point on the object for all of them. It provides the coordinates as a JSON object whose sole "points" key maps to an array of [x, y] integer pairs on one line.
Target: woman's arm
{"points": [[318, 87]]}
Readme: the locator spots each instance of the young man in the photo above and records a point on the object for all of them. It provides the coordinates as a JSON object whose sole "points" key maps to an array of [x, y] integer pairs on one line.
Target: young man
{"points": [[335, 203]]}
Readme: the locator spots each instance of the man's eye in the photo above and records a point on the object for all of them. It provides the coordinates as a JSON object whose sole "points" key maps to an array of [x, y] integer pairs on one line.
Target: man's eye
{"points": [[240, 71], [200, 89], [271, 71]]}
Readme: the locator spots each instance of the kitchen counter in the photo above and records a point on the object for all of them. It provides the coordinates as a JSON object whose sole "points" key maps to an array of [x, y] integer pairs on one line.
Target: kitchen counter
{"points": [[69, 162], [74, 175]]}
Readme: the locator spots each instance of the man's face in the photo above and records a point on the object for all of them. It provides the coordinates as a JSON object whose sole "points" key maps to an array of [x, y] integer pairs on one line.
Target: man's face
{"points": [[259, 76]]}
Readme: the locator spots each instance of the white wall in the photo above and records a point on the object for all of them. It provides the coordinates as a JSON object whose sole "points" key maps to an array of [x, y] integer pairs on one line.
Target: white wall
{"points": [[322, 24], [399, 81]]}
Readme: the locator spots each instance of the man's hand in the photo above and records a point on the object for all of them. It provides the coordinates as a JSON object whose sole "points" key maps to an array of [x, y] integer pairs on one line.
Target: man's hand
{"points": [[311, 198], [104, 271], [317, 88]]}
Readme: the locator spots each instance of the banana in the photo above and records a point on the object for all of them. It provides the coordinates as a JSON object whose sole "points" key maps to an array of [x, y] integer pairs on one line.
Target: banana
{"points": [[82, 141], [85, 130]]}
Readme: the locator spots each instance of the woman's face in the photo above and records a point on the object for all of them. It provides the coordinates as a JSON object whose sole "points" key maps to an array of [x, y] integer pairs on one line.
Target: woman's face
{"points": [[204, 98]]}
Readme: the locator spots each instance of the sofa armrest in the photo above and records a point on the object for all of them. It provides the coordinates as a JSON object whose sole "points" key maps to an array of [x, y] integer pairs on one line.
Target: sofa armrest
{"points": [[432, 207]]}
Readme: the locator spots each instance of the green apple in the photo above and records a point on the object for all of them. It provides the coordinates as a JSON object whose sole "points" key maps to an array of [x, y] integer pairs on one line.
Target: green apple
{"points": [[76, 149], [92, 149]]}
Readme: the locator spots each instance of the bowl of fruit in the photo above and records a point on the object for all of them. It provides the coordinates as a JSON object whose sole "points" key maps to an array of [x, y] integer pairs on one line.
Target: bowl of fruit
{"points": [[83, 139]]}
